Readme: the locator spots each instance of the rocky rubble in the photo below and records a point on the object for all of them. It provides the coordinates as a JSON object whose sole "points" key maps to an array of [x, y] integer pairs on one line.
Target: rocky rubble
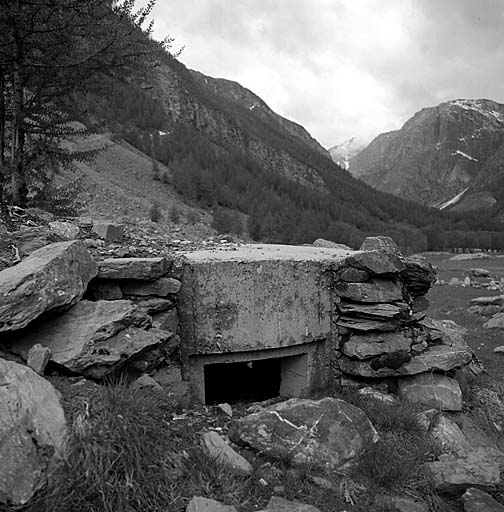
{"points": [[95, 339]]}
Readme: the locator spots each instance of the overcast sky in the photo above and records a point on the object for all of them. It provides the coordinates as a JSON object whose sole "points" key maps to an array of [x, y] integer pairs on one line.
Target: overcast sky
{"points": [[344, 68]]}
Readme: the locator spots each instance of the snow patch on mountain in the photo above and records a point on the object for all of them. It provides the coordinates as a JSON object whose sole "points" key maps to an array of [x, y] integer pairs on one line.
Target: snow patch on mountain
{"points": [[342, 153], [479, 106], [465, 155], [453, 200]]}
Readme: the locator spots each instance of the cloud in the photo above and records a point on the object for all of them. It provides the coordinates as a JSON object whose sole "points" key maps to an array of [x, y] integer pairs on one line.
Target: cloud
{"points": [[344, 67]]}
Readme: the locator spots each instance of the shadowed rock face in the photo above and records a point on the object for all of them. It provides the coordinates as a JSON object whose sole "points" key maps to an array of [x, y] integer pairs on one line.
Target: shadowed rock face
{"points": [[437, 153], [95, 338]]}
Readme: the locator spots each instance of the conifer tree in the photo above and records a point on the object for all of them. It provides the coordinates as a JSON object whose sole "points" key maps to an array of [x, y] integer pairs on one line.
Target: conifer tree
{"points": [[51, 50]]}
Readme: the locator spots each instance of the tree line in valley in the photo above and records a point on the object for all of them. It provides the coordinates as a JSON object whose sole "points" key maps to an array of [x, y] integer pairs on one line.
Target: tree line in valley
{"points": [[280, 210], [63, 61]]}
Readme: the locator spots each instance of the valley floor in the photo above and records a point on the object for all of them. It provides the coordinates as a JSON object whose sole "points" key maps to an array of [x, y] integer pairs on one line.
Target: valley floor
{"points": [[452, 303]]}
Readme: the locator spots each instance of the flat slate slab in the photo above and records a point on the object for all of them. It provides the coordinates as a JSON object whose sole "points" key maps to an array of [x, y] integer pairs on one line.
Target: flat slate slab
{"points": [[133, 268]]}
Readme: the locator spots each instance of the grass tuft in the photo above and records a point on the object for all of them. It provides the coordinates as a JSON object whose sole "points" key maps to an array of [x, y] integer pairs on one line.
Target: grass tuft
{"points": [[123, 458]]}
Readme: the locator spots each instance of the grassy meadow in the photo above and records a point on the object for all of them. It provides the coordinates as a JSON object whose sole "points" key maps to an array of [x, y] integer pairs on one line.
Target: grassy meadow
{"points": [[452, 302]]}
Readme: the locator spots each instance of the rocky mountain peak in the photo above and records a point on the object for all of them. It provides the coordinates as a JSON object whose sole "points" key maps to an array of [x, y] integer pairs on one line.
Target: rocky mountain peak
{"points": [[343, 152], [439, 152]]}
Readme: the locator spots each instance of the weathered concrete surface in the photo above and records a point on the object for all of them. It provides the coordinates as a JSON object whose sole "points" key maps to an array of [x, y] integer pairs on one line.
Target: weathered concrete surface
{"points": [[256, 297]]}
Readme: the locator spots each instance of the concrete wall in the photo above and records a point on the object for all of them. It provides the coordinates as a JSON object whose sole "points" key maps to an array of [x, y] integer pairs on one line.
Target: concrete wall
{"points": [[256, 300]]}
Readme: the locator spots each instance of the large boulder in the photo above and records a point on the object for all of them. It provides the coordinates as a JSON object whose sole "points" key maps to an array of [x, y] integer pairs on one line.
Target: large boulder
{"points": [[432, 389], [327, 433], [400, 504], [365, 346], [32, 432], [475, 500], [496, 322], [449, 435], [108, 231], [200, 504], [161, 287], [328, 244], [52, 278], [65, 230], [95, 338], [362, 309], [380, 243], [29, 240], [278, 504], [454, 474], [495, 300]]}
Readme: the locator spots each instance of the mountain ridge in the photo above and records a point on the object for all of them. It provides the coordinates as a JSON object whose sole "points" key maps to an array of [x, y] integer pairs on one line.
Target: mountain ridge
{"points": [[223, 148], [437, 153]]}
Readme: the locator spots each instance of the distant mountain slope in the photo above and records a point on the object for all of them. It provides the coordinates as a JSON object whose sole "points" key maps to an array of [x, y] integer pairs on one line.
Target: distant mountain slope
{"points": [[236, 92], [118, 185], [342, 153], [224, 149], [438, 153]]}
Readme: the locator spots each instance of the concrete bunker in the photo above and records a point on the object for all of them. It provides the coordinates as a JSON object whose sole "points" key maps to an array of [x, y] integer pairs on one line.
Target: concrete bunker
{"points": [[257, 322]]}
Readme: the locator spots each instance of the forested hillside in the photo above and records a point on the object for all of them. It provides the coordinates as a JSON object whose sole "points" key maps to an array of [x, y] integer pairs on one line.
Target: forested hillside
{"points": [[222, 154], [225, 150]]}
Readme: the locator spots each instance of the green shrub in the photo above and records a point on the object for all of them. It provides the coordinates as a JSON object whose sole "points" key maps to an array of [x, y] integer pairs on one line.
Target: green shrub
{"points": [[226, 221], [166, 178], [174, 214], [65, 200], [155, 214], [192, 217]]}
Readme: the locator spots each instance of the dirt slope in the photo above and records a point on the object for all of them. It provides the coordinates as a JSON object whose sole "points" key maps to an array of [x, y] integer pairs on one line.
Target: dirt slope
{"points": [[119, 185]]}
